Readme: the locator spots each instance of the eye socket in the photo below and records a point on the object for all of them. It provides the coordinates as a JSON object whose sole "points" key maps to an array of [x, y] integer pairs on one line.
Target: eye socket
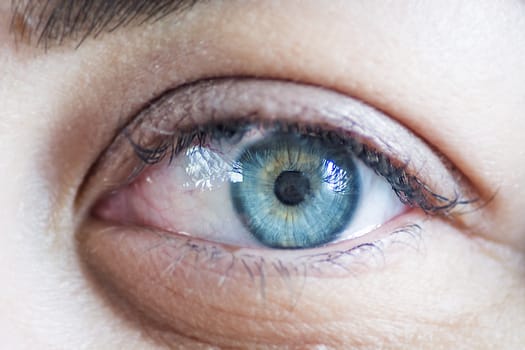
{"points": [[175, 278]]}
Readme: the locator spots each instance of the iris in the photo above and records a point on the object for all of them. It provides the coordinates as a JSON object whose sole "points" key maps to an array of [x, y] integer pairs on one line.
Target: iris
{"points": [[295, 191]]}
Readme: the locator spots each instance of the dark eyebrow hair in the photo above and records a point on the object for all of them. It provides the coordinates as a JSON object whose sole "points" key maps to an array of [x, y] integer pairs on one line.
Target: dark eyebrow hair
{"points": [[48, 23]]}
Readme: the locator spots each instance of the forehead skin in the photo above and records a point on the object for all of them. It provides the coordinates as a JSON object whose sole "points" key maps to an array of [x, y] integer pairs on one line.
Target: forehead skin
{"points": [[451, 71]]}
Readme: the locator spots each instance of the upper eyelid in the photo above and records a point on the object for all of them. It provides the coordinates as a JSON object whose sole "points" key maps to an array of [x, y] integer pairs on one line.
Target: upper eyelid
{"points": [[408, 187], [212, 101]]}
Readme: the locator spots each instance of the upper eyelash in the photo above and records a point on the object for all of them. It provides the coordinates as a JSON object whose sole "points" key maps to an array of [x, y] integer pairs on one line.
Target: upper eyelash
{"points": [[408, 187]]}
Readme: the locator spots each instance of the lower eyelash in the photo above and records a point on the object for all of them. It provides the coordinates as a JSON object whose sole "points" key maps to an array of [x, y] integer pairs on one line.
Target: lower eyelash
{"points": [[409, 188], [342, 263], [376, 248]]}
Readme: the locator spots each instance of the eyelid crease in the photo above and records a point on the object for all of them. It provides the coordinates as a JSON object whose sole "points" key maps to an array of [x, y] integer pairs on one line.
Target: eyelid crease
{"points": [[179, 117]]}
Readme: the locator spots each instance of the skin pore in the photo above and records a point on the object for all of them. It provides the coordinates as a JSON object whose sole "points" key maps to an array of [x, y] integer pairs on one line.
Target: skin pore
{"points": [[451, 72]]}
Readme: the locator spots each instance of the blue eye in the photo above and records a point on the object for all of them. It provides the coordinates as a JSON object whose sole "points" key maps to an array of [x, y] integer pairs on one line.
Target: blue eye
{"points": [[274, 186], [295, 191], [258, 164]]}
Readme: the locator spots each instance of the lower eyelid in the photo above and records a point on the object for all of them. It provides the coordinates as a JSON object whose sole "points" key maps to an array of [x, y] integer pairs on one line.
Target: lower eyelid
{"points": [[339, 259]]}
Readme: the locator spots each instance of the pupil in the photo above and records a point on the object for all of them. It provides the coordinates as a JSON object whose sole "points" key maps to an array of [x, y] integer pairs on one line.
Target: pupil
{"points": [[291, 187]]}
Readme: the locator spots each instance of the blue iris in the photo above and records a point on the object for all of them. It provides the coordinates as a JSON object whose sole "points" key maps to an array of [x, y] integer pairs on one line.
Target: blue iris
{"points": [[295, 191]]}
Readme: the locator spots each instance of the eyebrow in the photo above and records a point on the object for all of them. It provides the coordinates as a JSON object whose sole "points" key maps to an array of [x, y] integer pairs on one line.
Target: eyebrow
{"points": [[54, 22]]}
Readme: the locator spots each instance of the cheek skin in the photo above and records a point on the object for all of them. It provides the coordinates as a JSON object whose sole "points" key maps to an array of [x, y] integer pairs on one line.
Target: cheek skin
{"points": [[431, 294]]}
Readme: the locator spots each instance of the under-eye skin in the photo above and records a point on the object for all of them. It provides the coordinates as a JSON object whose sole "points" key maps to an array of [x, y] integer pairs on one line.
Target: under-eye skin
{"points": [[211, 134]]}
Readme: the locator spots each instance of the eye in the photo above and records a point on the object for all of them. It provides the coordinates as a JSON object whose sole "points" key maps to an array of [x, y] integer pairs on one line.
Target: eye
{"points": [[240, 195], [242, 170], [256, 185], [259, 163]]}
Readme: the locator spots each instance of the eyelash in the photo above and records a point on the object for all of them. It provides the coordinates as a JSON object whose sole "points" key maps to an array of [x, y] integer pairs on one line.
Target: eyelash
{"points": [[409, 188]]}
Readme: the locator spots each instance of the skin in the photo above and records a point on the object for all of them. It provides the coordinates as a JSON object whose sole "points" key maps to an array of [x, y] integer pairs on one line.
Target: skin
{"points": [[453, 72]]}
